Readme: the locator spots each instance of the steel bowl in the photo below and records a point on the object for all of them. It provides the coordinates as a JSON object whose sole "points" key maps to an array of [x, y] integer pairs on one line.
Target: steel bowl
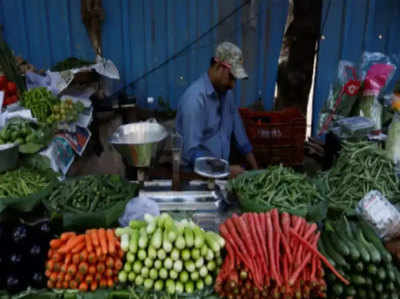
{"points": [[8, 156], [139, 143]]}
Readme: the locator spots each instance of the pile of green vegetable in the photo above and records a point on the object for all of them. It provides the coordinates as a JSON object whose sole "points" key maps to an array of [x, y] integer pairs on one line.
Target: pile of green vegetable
{"points": [[276, 187], [360, 168], [30, 136], [90, 193], [66, 111], [23, 182], [356, 251], [40, 101], [164, 255]]}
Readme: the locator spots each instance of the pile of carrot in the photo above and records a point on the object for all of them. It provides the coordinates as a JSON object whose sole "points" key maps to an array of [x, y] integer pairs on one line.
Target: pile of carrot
{"points": [[271, 255], [85, 261]]}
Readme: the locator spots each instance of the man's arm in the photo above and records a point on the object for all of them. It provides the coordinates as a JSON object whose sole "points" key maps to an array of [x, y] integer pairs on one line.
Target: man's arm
{"points": [[251, 159]]}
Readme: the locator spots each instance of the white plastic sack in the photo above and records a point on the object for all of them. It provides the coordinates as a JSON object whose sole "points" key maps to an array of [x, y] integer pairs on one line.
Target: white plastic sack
{"points": [[136, 208]]}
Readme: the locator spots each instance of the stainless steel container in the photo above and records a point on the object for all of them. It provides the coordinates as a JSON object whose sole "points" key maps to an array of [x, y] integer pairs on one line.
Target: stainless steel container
{"points": [[139, 143], [8, 156]]}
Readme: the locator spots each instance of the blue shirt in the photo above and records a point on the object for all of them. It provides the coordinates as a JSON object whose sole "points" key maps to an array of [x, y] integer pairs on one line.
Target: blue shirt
{"points": [[207, 121]]}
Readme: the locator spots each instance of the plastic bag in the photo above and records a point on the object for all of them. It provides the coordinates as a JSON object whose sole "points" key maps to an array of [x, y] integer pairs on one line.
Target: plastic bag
{"points": [[342, 96], [355, 126], [380, 214], [136, 208], [376, 70]]}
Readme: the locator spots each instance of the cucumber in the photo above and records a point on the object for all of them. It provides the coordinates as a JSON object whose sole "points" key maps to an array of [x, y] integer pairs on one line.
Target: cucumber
{"points": [[372, 294], [379, 287], [372, 269], [391, 274], [359, 267], [373, 252], [339, 260], [362, 293], [350, 291], [337, 289], [371, 236], [331, 277], [397, 273], [322, 250], [340, 245], [341, 232], [381, 274], [358, 279], [385, 296], [391, 286], [394, 295], [363, 252], [369, 281]]}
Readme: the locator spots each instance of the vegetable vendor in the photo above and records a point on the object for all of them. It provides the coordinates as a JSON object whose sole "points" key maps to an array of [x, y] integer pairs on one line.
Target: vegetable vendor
{"points": [[207, 117]]}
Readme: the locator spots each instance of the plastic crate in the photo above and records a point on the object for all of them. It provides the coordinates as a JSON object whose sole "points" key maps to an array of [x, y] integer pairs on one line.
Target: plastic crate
{"points": [[277, 137]]}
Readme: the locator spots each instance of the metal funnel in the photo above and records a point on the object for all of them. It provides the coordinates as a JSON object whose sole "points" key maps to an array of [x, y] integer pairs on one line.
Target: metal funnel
{"points": [[139, 143]]}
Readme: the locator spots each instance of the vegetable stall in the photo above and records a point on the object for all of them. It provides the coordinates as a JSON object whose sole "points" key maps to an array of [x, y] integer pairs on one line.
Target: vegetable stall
{"points": [[271, 233]]}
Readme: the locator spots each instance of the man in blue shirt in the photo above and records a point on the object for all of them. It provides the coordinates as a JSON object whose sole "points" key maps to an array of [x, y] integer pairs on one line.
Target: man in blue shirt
{"points": [[207, 116]]}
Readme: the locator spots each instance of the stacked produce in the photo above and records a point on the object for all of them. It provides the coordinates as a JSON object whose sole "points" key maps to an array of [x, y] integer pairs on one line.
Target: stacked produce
{"points": [[85, 262], [276, 187], [271, 255], [30, 136], [90, 193], [23, 254], [357, 252], [70, 63], [40, 101], [360, 168], [10, 91], [66, 111], [23, 181], [164, 255]]}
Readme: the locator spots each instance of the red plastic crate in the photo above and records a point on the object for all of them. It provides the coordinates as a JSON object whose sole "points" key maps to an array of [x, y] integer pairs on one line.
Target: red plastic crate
{"points": [[277, 137]]}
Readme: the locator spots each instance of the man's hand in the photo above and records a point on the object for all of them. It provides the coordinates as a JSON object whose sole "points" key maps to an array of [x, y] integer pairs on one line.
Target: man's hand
{"points": [[235, 170], [252, 161]]}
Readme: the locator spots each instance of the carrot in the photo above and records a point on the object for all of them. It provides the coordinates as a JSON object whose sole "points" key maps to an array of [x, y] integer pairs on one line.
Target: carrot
{"points": [[98, 277], [102, 257], [120, 253], [103, 283], [296, 273], [110, 262], [65, 284], [109, 272], [75, 240], [58, 285], [57, 267], [101, 268], [57, 257], [75, 259], [67, 235], [92, 269], [68, 258], [56, 243], [93, 235], [83, 256], [110, 282], [50, 265], [278, 239], [271, 249], [89, 279], [60, 276], [64, 268], [50, 253], [73, 285], [68, 277], [53, 276], [101, 233], [50, 284], [118, 264], [78, 247], [92, 258], [111, 241], [93, 286], [89, 246], [254, 240], [323, 258], [72, 269], [79, 277], [83, 287], [83, 267]]}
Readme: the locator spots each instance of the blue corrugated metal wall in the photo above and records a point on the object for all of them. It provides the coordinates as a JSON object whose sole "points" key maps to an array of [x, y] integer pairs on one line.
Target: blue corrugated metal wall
{"points": [[140, 34], [352, 27]]}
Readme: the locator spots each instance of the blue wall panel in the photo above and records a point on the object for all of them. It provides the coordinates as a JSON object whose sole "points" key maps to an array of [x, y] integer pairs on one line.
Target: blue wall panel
{"points": [[138, 35], [351, 28]]}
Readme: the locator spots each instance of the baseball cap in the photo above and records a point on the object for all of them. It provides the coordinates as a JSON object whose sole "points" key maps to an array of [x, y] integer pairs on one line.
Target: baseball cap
{"points": [[231, 55]]}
